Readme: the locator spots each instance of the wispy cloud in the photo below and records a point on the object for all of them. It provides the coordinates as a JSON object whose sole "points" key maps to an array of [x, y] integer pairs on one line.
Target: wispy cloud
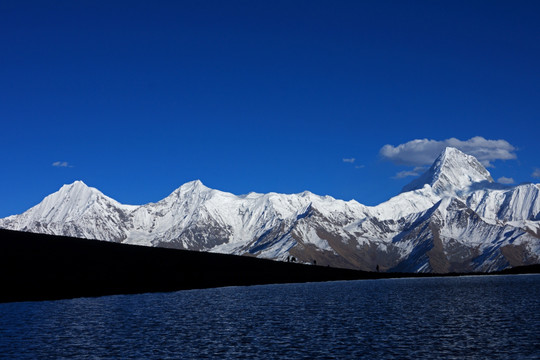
{"points": [[61, 164], [353, 161], [536, 173], [505, 180], [417, 171], [420, 152]]}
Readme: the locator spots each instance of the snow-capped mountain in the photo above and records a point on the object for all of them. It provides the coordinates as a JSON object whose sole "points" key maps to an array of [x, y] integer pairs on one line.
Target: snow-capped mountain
{"points": [[452, 218], [452, 172], [74, 210]]}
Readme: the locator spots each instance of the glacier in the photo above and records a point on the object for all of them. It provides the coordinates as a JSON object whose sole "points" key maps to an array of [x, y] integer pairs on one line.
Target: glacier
{"points": [[453, 218]]}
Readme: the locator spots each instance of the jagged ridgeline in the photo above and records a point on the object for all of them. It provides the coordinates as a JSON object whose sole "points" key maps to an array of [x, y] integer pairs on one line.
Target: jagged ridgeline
{"points": [[453, 218]]}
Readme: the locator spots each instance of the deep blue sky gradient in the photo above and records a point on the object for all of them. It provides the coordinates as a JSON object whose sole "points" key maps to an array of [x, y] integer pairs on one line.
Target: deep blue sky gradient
{"points": [[139, 97]]}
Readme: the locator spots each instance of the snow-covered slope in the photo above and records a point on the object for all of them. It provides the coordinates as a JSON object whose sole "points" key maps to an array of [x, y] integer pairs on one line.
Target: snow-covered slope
{"points": [[457, 239], [519, 203], [196, 217], [74, 210], [452, 218]]}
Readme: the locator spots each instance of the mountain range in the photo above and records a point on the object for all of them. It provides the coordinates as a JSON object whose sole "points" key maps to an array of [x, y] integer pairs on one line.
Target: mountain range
{"points": [[453, 218]]}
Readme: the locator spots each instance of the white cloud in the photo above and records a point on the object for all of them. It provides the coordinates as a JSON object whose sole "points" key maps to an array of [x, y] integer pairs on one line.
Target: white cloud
{"points": [[505, 180], [350, 160], [536, 173], [61, 164], [414, 172], [424, 151]]}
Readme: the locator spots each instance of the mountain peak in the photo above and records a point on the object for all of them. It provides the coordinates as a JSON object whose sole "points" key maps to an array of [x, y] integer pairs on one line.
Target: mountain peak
{"points": [[77, 187], [77, 184], [195, 184], [190, 187], [76, 190], [452, 171], [452, 151]]}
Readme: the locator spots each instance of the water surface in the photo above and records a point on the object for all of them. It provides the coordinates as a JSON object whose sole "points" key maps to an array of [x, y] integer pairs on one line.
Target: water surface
{"points": [[483, 317]]}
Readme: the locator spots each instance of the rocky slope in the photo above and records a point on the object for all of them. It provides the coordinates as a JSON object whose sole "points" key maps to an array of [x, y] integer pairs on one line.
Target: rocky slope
{"points": [[452, 218]]}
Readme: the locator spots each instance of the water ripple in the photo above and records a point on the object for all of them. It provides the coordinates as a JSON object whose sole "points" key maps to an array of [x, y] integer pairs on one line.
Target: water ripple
{"points": [[492, 317]]}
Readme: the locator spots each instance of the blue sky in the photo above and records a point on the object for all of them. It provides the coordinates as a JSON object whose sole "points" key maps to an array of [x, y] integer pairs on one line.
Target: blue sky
{"points": [[136, 98]]}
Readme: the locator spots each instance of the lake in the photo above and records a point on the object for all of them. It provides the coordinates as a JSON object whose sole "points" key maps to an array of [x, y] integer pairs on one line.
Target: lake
{"points": [[477, 317]]}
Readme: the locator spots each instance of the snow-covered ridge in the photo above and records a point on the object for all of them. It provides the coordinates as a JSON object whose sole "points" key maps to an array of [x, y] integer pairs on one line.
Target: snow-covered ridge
{"points": [[243, 216], [454, 208]]}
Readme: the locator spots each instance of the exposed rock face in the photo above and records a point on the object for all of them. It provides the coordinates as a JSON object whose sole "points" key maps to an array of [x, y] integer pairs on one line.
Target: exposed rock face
{"points": [[452, 218]]}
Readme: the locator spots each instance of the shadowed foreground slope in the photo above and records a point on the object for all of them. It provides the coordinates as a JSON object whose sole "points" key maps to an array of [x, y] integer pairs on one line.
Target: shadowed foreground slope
{"points": [[39, 267], [43, 267]]}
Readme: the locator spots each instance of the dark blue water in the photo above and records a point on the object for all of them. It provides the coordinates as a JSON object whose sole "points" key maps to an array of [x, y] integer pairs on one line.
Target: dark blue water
{"points": [[484, 317]]}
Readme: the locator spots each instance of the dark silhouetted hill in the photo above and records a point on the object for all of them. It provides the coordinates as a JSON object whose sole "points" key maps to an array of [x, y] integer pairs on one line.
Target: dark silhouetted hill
{"points": [[44, 267]]}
